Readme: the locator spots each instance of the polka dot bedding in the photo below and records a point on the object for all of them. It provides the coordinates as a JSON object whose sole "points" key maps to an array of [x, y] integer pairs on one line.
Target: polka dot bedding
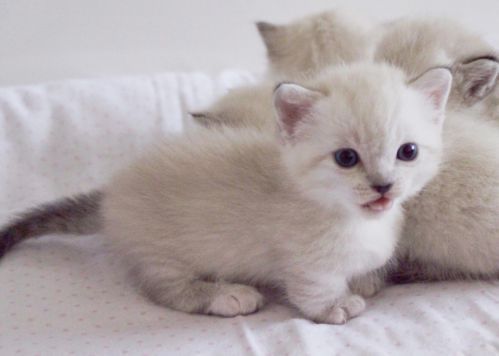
{"points": [[66, 295]]}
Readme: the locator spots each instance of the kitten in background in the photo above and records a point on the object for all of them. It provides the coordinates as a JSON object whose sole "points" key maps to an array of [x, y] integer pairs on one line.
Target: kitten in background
{"points": [[308, 45], [302, 48], [206, 216]]}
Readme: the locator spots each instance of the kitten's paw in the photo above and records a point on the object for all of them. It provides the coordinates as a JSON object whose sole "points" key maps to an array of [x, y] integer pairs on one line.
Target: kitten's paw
{"points": [[344, 309], [236, 299], [367, 285]]}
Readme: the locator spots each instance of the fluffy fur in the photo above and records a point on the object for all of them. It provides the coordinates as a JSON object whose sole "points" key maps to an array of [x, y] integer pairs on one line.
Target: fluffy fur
{"points": [[452, 226], [418, 44], [249, 106], [205, 217]]}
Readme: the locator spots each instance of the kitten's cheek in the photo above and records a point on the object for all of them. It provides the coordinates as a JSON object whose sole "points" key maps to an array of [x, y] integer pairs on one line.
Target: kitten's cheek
{"points": [[408, 190]]}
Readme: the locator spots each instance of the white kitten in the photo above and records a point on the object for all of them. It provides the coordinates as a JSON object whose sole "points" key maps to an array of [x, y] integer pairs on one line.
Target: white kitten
{"points": [[452, 226], [207, 216], [214, 212]]}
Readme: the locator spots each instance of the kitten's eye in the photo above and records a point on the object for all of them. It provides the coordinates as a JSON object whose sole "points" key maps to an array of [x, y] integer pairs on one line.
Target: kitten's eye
{"points": [[407, 152], [346, 157]]}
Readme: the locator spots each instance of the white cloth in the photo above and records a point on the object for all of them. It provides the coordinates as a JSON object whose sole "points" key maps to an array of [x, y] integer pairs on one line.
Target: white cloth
{"points": [[63, 295]]}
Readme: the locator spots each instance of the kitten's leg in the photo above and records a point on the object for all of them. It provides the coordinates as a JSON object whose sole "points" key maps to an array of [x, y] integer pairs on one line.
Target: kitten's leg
{"points": [[184, 293], [324, 301], [367, 285]]}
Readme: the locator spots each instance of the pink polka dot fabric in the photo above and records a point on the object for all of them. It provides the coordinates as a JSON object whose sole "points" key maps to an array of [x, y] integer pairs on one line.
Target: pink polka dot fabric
{"points": [[66, 295]]}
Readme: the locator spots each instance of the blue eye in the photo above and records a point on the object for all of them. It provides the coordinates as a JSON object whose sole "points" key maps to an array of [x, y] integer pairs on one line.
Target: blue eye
{"points": [[407, 152], [346, 157]]}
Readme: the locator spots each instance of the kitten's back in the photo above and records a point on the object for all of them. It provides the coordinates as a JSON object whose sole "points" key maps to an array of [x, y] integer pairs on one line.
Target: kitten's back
{"points": [[416, 44]]}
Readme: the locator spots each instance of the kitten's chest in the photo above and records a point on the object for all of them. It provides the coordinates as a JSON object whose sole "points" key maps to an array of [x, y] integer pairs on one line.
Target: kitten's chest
{"points": [[365, 245]]}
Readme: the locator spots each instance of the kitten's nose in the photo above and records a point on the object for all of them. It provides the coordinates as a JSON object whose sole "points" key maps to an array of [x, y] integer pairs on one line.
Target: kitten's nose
{"points": [[382, 189]]}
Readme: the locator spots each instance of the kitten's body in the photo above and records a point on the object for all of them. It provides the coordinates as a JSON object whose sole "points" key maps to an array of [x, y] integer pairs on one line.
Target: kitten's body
{"points": [[210, 214], [416, 44], [249, 106], [452, 226], [232, 214]]}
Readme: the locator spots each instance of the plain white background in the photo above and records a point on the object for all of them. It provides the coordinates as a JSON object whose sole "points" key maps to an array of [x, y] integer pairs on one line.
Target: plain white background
{"points": [[44, 40]]}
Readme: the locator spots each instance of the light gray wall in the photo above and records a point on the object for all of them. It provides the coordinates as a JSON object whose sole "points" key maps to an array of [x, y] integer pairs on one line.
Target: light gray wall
{"points": [[43, 40]]}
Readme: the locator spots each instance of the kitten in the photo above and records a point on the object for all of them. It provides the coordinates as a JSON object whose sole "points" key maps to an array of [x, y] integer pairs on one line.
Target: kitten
{"points": [[312, 43], [208, 215], [452, 230]]}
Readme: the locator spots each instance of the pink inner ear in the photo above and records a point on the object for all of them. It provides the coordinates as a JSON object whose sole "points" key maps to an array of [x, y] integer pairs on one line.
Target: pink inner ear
{"points": [[291, 115], [435, 84], [437, 96], [293, 103]]}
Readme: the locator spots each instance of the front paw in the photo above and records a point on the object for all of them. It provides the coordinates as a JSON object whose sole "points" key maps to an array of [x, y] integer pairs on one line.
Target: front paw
{"points": [[367, 285], [342, 310], [236, 299]]}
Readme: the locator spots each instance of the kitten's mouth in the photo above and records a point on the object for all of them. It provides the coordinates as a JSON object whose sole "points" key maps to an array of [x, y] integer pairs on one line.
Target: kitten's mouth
{"points": [[379, 205]]}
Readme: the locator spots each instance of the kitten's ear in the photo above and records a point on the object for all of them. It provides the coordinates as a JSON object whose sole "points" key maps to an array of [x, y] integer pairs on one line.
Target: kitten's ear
{"points": [[435, 84], [476, 79], [269, 34], [204, 118], [265, 27], [294, 105]]}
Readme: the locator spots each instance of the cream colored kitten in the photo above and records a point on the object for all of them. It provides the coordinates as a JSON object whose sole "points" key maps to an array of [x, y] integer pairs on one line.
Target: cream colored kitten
{"points": [[303, 48], [452, 229], [306, 46], [452, 226], [206, 216]]}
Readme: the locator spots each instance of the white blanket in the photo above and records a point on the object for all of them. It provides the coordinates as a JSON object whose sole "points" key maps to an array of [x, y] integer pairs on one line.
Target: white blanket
{"points": [[62, 295]]}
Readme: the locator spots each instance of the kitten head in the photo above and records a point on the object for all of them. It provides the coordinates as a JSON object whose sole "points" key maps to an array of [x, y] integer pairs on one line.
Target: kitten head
{"points": [[305, 46], [360, 136]]}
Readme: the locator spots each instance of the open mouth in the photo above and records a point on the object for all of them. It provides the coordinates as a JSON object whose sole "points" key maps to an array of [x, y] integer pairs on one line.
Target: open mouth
{"points": [[379, 205]]}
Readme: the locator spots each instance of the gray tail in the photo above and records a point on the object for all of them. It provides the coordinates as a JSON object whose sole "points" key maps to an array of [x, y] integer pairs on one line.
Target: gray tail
{"points": [[75, 215]]}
